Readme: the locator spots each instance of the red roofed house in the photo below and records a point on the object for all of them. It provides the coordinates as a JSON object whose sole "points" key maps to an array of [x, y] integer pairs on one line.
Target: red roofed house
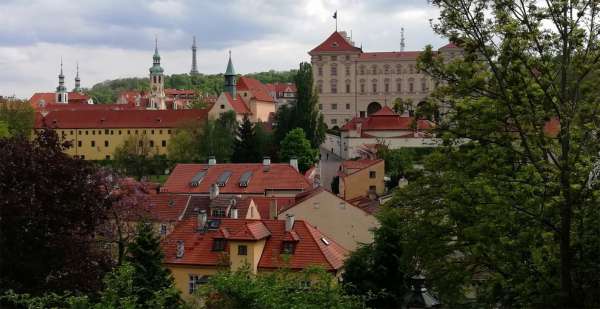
{"points": [[352, 83], [95, 134], [246, 96], [246, 179], [360, 135], [282, 93], [198, 247]]}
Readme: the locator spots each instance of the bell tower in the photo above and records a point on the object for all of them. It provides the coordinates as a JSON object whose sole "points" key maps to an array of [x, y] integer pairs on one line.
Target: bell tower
{"points": [[157, 82], [62, 96], [230, 82], [77, 81]]}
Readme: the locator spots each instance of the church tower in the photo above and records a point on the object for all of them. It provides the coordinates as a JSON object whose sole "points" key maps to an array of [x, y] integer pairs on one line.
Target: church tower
{"points": [[62, 96], [77, 81], [230, 81], [194, 70], [157, 82]]}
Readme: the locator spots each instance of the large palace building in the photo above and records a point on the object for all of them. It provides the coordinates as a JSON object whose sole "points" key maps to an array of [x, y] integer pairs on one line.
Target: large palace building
{"points": [[352, 83]]}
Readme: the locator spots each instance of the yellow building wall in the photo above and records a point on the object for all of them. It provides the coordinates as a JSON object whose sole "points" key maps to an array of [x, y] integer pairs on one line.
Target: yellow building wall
{"points": [[181, 275], [254, 252], [105, 141], [345, 224], [222, 106], [261, 110], [358, 184], [253, 211]]}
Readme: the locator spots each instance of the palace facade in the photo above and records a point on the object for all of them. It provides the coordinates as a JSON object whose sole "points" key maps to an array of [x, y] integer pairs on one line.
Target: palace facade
{"points": [[353, 83]]}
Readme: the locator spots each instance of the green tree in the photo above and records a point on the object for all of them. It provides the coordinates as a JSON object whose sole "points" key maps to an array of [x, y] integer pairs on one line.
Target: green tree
{"points": [[296, 145], [137, 157], [149, 276], [513, 197], [312, 288], [18, 117], [216, 137], [183, 146], [246, 146], [4, 132]]}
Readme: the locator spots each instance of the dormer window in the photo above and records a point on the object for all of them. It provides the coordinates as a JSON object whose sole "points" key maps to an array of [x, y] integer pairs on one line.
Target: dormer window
{"points": [[288, 247], [218, 212], [335, 44], [219, 245]]}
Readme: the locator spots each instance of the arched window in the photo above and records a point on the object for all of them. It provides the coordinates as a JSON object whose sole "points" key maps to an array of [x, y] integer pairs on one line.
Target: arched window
{"points": [[399, 85], [411, 85], [333, 69], [333, 86], [386, 68], [362, 86], [386, 85], [348, 86], [374, 69], [374, 85], [373, 107]]}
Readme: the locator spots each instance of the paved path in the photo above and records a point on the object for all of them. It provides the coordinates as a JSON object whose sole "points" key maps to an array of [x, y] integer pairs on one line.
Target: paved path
{"points": [[330, 164]]}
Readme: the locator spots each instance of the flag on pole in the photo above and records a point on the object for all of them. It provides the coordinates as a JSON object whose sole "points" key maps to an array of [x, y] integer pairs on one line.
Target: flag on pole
{"points": [[335, 15]]}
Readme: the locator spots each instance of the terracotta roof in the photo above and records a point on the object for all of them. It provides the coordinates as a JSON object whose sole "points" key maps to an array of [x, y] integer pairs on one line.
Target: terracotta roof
{"points": [[386, 119], [310, 249], [172, 92], [49, 98], [389, 55], [263, 204], [238, 105], [281, 87], [366, 204], [82, 119], [167, 207], [335, 43], [280, 176], [301, 197], [198, 203], [258, 90], [449, 45]]}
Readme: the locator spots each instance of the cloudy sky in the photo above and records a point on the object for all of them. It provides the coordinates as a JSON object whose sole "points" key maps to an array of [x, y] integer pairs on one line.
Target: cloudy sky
{"points": [[115, 38]]}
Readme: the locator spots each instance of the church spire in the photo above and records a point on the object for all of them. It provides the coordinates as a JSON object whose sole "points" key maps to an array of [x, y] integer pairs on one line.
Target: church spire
{"points": [[230, 82], [77, 81], [194, 70], [61, 90], [157, 82]]}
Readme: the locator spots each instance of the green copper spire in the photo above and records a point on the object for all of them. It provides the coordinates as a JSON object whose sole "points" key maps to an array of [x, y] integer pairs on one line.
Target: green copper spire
{"points": [[230, 70], [230, 83], [61, 79], [156, 68], [77, 81]]}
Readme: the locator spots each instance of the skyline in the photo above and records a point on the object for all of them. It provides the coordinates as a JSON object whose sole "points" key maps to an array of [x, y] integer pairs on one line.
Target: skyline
{"points": [[262, 35]]}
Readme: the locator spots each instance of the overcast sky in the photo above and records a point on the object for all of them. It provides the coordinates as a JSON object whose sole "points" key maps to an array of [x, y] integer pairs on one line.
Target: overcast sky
{"points": [[115, 38]]}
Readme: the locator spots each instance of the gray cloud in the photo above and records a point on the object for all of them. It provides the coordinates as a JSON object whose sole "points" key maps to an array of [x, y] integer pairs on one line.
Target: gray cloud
{"points": [[113, 39]]}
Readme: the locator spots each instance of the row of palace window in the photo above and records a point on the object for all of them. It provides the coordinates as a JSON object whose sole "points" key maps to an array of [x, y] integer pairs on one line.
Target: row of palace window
{"points": [[334, 106], [119, 132], [373, 70], [106, 143], [374, 89]]}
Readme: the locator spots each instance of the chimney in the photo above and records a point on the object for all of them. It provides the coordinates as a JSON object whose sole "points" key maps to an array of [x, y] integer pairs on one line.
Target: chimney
{"points": [[273, 211], [233, 213], [202, 218], [294, 163], [212, 161], [266, 164], [214, 191], [289, 222], [180, 249]]}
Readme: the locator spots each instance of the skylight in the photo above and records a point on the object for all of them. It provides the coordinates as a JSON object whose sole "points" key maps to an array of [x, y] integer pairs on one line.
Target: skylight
{"points": [[325, 241], [245, 178], [222, 181], [197, 179]]}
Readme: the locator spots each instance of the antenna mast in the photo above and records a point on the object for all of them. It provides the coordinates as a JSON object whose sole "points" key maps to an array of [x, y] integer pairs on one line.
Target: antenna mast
{"points": [[402, 43]]}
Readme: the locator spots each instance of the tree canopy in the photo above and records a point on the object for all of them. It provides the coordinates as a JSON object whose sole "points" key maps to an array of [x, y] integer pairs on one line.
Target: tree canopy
{"points": [[295, 145]]}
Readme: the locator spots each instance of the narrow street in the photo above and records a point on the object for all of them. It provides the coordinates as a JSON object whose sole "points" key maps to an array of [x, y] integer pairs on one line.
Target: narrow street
{"points": [[330, 164]]}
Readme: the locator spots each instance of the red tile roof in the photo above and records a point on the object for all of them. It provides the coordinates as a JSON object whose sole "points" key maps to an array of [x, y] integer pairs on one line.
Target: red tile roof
{"points": [[359, 164], [281, 87], [238, 105], [82, 119], [279, 177], [166, 207], [310, 249], [301, 197], [335, 43], [173, 92], [263, 204], [75, 98], [449, 45], [198, 203], [366, 204], [386, 119], [258, 90]]}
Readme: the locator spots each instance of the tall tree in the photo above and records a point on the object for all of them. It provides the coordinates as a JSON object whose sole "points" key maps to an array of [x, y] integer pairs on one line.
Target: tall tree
{"points": [[216, 137], [18, 116], [137, 157], [295, 145], [516, 202], [305, 113], [149, 275], [51, 205], [246, 146]]}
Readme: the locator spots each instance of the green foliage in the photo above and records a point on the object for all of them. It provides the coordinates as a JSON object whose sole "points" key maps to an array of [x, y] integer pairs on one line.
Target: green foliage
{"points": [[148, 275], [206, 84], [245, 148], [16, 119], [304, 114], [183, 144], [508, 202], [136, 157], [296, 145], [279, 289]]}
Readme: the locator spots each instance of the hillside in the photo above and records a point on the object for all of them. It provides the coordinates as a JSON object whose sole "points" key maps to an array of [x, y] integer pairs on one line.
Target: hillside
{"points": [[108, 91]]}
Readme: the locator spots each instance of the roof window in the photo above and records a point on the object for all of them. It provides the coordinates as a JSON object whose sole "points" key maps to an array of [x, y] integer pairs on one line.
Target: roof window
{"points": [[197, 179], [325, 241], [222, 181], [245, 178]]}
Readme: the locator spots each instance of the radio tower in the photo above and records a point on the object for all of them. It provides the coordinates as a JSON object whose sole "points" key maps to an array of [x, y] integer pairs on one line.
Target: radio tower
{"points": [[402, 45], [194, 70]]}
